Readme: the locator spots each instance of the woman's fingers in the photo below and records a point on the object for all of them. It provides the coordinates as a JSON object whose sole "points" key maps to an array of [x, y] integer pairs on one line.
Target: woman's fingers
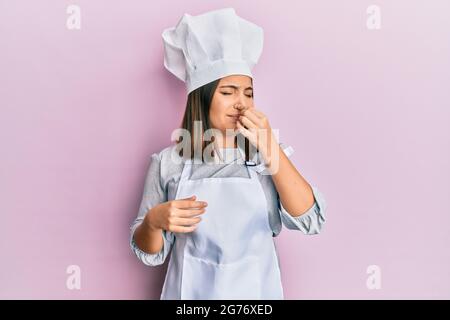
{"points": [[187, 222], [184, 204], [247, 122], [252, 115], [245, 132], [187, 213], [183, 225], [258, 113], [181, 229]]}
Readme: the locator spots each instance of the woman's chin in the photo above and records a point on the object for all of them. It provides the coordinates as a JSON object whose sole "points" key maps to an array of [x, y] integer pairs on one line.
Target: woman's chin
{"points": [[231, 127]]}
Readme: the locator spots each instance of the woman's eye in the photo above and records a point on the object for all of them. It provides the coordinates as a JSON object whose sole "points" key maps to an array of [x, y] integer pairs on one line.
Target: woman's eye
{"points": [[229, 93]]}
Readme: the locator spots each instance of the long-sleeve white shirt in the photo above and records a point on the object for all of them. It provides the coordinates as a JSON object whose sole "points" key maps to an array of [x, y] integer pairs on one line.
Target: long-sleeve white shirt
{"points": [[161, 185]]}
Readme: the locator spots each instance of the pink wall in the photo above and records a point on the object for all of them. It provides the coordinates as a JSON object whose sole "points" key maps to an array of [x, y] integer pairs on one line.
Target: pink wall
{"points": [[366, 111]]}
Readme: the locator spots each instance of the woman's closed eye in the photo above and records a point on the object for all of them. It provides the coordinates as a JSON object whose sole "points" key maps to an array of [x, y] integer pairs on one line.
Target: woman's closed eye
{"points": [[229, 93]]}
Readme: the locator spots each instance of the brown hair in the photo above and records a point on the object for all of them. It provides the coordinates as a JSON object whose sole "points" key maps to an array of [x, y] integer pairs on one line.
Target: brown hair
{"points": [[197, 109]]}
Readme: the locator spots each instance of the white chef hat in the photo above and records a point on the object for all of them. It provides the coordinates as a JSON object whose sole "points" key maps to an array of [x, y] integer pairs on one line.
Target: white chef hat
{"points": [[207, 47]]}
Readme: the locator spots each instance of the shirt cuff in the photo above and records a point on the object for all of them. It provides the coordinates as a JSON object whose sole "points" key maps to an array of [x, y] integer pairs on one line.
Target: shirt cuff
{"points": [[150, 259], [310, 222]]}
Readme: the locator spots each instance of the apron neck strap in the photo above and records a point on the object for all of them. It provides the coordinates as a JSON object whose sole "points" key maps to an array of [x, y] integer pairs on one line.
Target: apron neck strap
{"points": [[188, 164]]}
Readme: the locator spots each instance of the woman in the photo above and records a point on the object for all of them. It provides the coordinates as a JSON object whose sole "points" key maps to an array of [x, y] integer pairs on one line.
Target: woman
{"points": [[218, 218]]}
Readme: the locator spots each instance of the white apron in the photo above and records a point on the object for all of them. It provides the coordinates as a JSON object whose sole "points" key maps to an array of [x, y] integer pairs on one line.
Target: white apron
{"points": [[231, 254]]}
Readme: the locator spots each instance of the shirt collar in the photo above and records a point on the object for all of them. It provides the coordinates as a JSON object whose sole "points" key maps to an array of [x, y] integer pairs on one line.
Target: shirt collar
{"points": [[228, 155]]}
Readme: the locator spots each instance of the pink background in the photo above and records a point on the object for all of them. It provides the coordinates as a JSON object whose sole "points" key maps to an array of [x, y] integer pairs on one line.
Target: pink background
{"points": [[367, 112]]}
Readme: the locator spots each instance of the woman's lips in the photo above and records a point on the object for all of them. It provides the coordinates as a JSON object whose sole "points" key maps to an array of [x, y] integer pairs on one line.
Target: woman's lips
{"points": [[234, 117]]}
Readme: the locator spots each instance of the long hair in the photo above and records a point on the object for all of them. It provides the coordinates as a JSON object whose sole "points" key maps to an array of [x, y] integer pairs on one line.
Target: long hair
{"points": [[197, 109]]}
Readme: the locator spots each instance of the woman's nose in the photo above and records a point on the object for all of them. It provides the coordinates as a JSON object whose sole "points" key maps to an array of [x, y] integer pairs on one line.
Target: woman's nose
{"points": [[240, 107]]}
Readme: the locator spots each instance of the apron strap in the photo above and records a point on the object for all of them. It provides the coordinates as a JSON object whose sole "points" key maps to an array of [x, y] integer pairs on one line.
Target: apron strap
{"points": [[288, 151], [252, 170], [261, 167], [187, 169]]}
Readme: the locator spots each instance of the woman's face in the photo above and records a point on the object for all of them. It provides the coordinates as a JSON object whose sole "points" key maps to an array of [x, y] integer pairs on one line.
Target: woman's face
{"points": [[234, 90]]}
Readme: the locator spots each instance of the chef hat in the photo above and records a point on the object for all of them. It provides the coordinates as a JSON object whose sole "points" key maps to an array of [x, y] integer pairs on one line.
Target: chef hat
{"points": [[207, 47]]}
